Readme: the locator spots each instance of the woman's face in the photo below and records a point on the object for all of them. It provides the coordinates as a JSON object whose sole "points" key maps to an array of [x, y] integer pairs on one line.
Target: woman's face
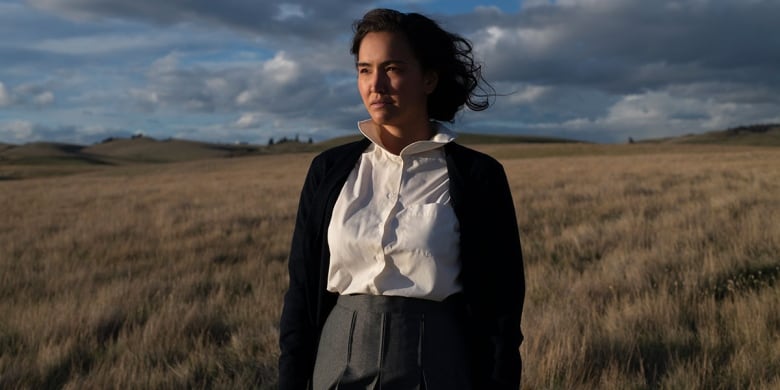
{"points": [[391, 81]]}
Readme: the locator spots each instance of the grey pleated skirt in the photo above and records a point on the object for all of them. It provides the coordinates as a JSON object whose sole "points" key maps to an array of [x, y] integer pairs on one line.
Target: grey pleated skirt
{"points": [[389, 343]]}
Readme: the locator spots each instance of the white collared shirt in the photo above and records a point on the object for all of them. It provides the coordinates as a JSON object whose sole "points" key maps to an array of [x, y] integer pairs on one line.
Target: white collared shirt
{"points": [[393, 230]]}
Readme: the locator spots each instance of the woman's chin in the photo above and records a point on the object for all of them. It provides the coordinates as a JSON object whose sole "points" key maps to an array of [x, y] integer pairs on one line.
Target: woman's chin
{"points": [[382, 119]]}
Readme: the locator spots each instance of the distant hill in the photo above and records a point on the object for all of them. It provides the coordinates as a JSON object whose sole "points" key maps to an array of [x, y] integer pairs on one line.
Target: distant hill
{"points": [[465, 139], [51, 158], [751, 135], [120, 150], [43, 153], [145, 149], [482, 139], [141, 149]]}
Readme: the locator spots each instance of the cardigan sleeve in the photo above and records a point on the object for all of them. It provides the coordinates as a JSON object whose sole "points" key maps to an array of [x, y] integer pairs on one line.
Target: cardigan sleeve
{"points": [[509, 277], [306, 302], [494, 272], [297, 330]]}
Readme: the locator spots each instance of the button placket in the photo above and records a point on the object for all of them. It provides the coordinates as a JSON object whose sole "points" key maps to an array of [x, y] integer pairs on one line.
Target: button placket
{"points": [[390, 188], [393, 184]]}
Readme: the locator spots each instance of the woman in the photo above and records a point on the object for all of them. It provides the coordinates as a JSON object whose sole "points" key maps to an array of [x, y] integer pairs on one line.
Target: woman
{"points": [[405, 269]]}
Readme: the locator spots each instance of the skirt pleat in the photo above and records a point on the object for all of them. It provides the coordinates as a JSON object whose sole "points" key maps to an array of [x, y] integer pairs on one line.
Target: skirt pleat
{"points": [[392, 343]]}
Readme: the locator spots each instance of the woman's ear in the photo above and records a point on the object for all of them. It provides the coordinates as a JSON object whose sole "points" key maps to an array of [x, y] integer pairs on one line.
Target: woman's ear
{"points": [[430, 80]]}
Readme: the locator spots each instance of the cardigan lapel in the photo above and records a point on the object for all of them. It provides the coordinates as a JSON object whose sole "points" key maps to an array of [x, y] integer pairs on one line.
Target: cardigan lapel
{"points": [[457, 184], [325, 200]]}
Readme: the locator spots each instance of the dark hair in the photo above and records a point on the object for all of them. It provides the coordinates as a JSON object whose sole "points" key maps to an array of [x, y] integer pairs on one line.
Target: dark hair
{"points": [[447, 54]]}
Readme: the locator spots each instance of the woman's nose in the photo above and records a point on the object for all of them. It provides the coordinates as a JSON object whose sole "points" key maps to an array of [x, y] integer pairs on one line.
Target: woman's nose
{"points": [[379, 82]]}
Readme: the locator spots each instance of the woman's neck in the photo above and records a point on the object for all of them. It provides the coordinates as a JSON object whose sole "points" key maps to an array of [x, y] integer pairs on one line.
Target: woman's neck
{"points": [[395, 139]]}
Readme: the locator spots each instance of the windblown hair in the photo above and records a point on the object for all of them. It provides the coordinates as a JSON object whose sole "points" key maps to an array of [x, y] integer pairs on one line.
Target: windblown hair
{"points": [[447, 54]]}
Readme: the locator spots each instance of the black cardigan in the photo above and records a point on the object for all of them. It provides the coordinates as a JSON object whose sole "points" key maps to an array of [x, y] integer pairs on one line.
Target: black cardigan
{"points": [[491, 265]]}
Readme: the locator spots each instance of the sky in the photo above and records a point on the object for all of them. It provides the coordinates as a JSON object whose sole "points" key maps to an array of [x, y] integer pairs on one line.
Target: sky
{"points": [[80, 71]]}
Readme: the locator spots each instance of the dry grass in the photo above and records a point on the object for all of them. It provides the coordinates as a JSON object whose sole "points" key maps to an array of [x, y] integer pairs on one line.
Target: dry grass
{"points": [[647, 268]]}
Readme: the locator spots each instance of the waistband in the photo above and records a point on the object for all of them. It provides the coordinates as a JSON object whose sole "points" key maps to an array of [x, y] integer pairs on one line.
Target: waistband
{"points": [[397, 304]]}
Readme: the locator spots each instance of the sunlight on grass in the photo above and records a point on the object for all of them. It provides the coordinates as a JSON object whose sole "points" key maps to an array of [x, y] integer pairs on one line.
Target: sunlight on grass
{"points": [[647, 267]]}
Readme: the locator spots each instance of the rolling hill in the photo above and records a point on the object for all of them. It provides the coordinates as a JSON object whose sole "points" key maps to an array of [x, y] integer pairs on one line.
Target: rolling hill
{"points": [[118, 151], [751, 135], [43, 153], [464, 138], [144, 149], [138, 149], [150, 150]]}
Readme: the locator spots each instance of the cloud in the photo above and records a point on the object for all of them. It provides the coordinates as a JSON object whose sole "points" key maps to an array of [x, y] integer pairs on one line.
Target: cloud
{"points": [[43, 98], [280, 69], [5, 97], [23, 131], [26, 95], [282, 84], [15, 131], [661, 67], [97, 44], [249, 120], [288, 11], [592, 69], [528, 94], [310, 20], [665, 113], [629, 45]]}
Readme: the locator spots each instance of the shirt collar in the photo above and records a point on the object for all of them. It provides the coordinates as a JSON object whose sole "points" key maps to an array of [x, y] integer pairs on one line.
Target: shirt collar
{"points": [[442, 136]]}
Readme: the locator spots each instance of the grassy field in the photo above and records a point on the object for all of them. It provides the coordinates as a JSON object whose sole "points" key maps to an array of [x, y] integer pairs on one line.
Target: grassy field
{"points": [[648, 267]]}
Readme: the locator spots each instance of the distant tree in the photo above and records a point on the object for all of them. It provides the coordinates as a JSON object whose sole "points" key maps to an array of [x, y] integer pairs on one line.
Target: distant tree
{"points": [[311, 141], [630, 140], [271, 141], [296, 138]]}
